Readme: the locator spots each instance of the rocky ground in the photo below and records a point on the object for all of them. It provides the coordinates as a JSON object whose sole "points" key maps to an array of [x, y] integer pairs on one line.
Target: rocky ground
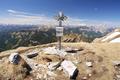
{"points": [[94, 61]]}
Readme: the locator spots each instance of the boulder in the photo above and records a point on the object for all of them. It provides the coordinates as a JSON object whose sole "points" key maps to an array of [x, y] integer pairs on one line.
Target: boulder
{"points": [[53, 66], [89, 64], [19, 66], [70, 68], [14, 58], [116, 63]]}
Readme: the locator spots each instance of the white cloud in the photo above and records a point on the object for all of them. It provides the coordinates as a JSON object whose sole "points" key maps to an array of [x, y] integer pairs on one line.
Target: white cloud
{"points": [[75, 21], [11, 11], [20, 17]]}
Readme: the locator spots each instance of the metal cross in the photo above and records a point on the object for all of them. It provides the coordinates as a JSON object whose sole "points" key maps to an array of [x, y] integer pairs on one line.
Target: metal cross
{"points": [[60, 17]]}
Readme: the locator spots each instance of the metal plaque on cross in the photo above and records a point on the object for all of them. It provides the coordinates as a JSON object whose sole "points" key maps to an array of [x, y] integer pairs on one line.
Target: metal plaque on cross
{"points": [[59, 31]]}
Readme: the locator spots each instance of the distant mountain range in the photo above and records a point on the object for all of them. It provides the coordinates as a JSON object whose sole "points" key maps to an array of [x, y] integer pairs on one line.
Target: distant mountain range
{"points": [[13, 36]]}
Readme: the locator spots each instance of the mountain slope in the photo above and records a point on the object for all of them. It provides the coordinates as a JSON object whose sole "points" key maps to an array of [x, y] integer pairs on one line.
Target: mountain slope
{"points": [[112, 37]]}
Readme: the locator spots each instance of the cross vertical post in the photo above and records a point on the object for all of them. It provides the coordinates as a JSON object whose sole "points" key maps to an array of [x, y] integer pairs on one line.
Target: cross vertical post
{"points": [[59, 37], [59, 30]]}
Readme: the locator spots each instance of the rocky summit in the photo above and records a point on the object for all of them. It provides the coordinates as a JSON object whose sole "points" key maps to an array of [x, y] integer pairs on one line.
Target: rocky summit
{"points": [[75, 61]]}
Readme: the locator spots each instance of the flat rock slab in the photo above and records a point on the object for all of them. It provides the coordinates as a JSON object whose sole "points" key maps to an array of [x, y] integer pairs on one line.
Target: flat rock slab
{"points": [[54, 51], [73, 50], [32, 54]]}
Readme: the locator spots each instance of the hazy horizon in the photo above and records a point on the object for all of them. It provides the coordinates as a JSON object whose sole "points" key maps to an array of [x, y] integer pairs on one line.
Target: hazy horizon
{"points": [[79, 12]]}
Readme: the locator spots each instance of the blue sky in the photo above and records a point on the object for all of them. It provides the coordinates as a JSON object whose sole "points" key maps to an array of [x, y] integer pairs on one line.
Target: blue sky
{"points": [[78, 11]]}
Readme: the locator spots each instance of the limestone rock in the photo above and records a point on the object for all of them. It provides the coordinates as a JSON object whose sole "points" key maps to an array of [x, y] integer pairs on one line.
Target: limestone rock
{"points": [[89, 64], [70, 68], [14, 58]]}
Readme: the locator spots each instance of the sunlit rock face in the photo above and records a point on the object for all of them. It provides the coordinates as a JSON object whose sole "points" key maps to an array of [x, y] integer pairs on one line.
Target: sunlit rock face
{"points": [[113, 37]]}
